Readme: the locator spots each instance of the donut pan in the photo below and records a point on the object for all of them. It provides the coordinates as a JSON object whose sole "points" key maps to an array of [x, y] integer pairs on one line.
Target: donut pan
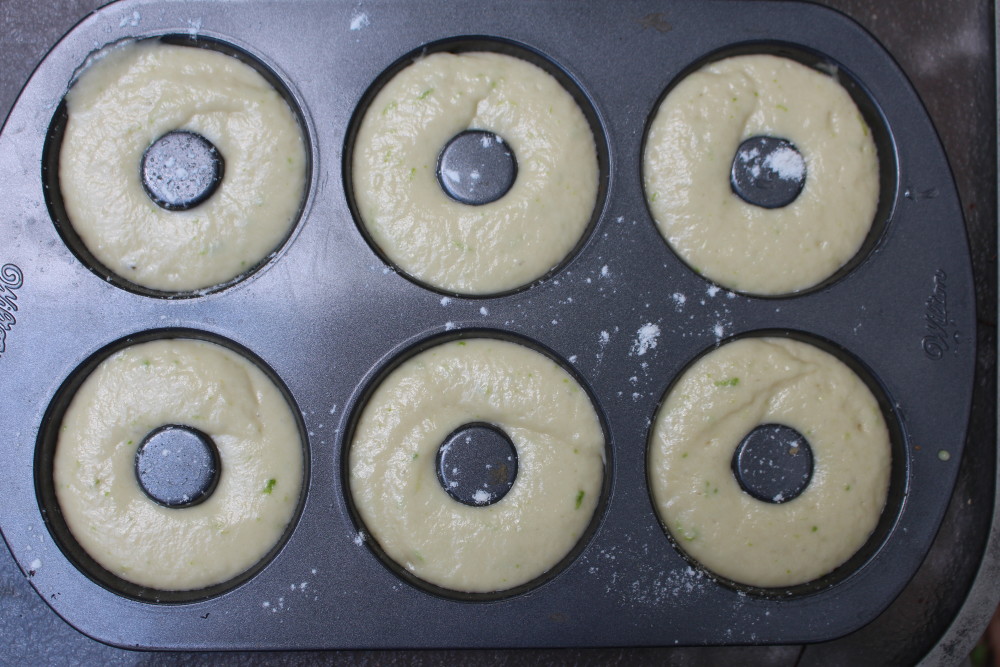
{"points": [[326, 314]]}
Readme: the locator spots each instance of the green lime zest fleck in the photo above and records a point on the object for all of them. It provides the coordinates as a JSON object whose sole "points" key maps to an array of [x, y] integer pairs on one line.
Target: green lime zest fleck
{"points": [[687, 535], [781, 106], [415, 456], [579, 498], [423, 95], [461, 342], [815, 528], [731, 382], [269, 486], [944, 455], [847, 487]]}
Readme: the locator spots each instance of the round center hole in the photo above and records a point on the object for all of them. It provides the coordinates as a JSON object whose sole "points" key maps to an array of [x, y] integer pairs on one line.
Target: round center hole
{"points": [[476, 167], [768, 172], [477, 464], [177, 466], [181, 169], [774, 463]]}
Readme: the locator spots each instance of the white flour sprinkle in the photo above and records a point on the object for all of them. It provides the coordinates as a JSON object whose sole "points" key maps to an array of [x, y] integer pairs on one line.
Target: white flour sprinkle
{"points": [[448, 326], [645, 339], [605, 272], [604, 338], [359, 538], [481, 497], [133, 20], [484, 311], [679, 299], [713, 290], [445, 301], [359, 21], [786, 163]]}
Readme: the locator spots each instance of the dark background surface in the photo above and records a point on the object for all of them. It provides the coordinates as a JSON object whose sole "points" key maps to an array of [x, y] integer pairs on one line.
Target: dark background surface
{"points": [[947, 50]]}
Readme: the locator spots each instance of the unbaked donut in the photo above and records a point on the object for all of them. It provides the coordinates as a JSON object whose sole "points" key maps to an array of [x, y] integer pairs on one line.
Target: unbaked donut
{"points": [[454, 246], [125, 102], [689, 153], [188, 383], [721, 398], [560, 449]]}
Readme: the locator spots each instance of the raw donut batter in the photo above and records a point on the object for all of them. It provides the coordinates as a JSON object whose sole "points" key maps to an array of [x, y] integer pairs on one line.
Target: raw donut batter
{"points": [[689, 153], [188, 383], [716, 403], [458, 247], [134, 95], [560, 450]]}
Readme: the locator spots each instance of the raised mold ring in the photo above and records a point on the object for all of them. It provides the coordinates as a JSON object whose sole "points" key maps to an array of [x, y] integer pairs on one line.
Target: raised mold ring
{"points": [[370, 384], [45, 491], [53, 144], [872, 114], [466, 44], [895, 496]]}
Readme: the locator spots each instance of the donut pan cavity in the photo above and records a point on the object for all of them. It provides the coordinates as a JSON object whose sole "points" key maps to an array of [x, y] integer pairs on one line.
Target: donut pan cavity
{"points": [[327, 316]]}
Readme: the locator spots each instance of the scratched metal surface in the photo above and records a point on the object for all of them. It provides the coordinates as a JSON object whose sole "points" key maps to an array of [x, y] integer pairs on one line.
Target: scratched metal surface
{"points": [[939, 586]]}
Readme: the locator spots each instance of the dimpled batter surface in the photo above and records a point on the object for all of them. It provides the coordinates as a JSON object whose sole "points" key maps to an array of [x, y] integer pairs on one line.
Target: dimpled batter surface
{"points": [[716, 403], [457, 247], [689, 153], [560, 450], [130, 98], [187, 383]]}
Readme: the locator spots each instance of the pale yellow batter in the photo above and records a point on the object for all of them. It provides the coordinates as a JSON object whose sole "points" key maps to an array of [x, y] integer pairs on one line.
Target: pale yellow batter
{"points": [[560, 450], [715, 404], [689, 153], [457, 247], [131, 97], [186, 383]]}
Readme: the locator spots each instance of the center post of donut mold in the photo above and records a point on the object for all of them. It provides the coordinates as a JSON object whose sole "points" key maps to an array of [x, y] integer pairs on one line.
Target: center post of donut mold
{"points": [[181, 170], [476, 167], [769, 172], [477, 464], [177, 466], [773, 463]]}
